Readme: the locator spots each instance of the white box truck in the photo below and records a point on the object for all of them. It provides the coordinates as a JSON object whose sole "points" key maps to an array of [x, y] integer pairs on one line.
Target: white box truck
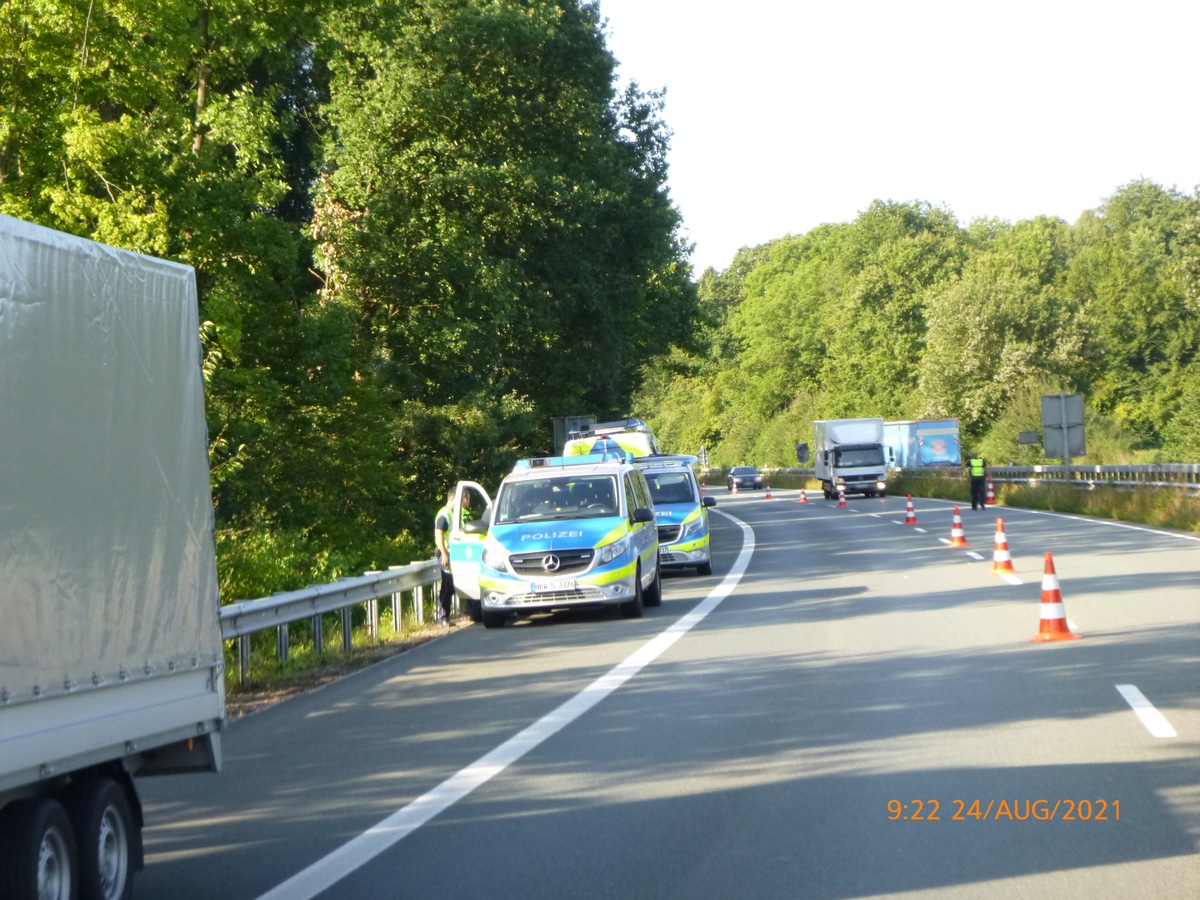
{"points": [[111, 660], [850, 453]]}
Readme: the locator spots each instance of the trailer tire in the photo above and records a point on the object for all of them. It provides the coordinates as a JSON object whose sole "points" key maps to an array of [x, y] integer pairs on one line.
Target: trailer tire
{"points": [[104, 840], [38, 849]]}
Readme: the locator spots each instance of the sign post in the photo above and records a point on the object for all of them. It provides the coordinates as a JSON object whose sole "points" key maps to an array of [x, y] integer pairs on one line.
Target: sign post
{"points": [[1062, 427]]}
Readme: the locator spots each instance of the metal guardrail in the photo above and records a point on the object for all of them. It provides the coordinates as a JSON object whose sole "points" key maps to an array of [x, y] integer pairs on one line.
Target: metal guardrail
{"points": [[246, 617], [1168, 475]]}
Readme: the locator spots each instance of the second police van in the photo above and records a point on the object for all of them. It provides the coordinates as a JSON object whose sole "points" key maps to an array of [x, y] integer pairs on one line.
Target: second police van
{"points": [[681, 509], [563, 532]]}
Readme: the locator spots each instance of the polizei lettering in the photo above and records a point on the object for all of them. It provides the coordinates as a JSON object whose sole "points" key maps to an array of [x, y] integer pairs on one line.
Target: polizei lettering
{"points": [[551, 535]]}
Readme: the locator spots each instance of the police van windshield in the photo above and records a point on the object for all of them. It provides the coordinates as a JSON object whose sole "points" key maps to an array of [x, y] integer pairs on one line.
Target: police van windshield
{"points": [[561, 497], [670, 487]]}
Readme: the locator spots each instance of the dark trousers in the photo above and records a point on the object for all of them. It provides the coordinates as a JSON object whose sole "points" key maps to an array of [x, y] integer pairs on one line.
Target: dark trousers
{"points": [[978, 492], [446, 593]]}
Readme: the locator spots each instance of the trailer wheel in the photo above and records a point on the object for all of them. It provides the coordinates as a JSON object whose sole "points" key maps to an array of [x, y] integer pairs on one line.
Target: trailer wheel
{"points": [[38, 850], [103, 828]]}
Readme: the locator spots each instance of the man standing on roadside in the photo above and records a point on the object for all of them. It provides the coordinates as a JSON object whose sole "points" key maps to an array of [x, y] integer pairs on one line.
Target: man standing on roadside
{"points": [[977, 466], [441, 540]]}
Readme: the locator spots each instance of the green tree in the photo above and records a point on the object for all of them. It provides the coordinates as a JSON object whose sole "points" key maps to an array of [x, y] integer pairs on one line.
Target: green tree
{"points": [[1002, 325], [1129, 272], [497, 215]]}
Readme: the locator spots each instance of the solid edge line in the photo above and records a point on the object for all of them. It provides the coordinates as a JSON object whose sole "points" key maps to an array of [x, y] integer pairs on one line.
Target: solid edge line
{"points": [[359, 851], [1156, 723]]}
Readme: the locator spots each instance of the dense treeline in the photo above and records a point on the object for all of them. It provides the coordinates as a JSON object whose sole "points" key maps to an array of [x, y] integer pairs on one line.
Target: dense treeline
{"points": [[421, 229], [904, 314]]}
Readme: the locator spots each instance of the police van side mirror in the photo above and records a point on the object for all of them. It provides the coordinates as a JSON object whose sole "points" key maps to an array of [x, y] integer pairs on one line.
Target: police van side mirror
{"points": [[802, 453], [641, 514], [709, 501]]}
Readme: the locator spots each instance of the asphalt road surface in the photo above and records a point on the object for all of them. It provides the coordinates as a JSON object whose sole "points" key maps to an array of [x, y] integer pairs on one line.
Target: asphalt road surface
{"points": [[847, 708]]}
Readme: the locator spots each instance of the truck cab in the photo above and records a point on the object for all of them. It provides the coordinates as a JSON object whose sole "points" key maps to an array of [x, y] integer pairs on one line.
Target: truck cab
{"points": [[849, 455]]}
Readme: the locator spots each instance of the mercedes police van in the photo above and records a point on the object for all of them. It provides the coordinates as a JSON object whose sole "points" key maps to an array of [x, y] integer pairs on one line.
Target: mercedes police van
{"points": [[568, 532], [628, 435], [681, 510]]}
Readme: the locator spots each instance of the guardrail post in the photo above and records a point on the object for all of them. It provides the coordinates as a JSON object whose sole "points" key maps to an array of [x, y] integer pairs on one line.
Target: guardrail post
{"points": [[318, 636], [397, 608], [281, 642], [373, 614], [419, 604], [347, 636], [244, 656]]}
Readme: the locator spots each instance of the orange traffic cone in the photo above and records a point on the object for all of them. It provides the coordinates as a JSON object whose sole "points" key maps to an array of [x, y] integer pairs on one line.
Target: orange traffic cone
{"points": [[803, 498], [1001, 558], [734, 486], [990, 499], [910, 514], [1054, 615], [958, 537], [767, 495], [703, 489], [841, 497]]}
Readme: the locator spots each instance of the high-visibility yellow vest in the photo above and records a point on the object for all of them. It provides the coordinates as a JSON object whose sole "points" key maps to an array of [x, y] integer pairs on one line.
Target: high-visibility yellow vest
{"points": [[448, 513], [976, 466]]}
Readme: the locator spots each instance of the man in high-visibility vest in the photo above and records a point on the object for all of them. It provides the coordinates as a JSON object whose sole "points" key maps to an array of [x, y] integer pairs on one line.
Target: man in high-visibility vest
{"points": [[441, 540], [977, 466]]}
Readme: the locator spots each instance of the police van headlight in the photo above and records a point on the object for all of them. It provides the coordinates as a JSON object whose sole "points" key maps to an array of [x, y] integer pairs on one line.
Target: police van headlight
{"points": [[495, 558], [691, 528], [609, 552]]}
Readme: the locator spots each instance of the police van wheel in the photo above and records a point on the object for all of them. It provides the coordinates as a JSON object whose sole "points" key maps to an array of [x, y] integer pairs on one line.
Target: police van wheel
{"points": [[704, 568], [492, 620], [653, 597], [634, 608]]}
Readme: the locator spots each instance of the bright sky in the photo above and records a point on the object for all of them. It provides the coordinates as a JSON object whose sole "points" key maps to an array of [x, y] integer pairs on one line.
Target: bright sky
{"points": [[791, 113]]}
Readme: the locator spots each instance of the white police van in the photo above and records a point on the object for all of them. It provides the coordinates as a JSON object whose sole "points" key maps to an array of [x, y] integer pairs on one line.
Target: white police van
{"points": [[565, 532], [681, 510]]}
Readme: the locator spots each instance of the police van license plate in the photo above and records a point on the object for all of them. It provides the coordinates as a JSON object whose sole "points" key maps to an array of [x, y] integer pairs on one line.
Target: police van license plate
{"points": [[553, 587]]}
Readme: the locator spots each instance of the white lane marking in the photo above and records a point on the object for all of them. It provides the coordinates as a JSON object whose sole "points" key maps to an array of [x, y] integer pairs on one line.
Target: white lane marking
{"points": [[359, 851], [1011, 578], [974, 555], [1131, 526], [1155, 722]]}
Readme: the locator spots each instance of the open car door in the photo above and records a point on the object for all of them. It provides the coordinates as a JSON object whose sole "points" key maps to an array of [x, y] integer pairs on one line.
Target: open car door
{"points": [[471, 501]]}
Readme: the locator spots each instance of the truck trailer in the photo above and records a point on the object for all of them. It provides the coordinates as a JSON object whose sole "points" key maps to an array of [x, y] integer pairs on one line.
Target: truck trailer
{"points": [[111, 663], [923, 443], [849, 453]]}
